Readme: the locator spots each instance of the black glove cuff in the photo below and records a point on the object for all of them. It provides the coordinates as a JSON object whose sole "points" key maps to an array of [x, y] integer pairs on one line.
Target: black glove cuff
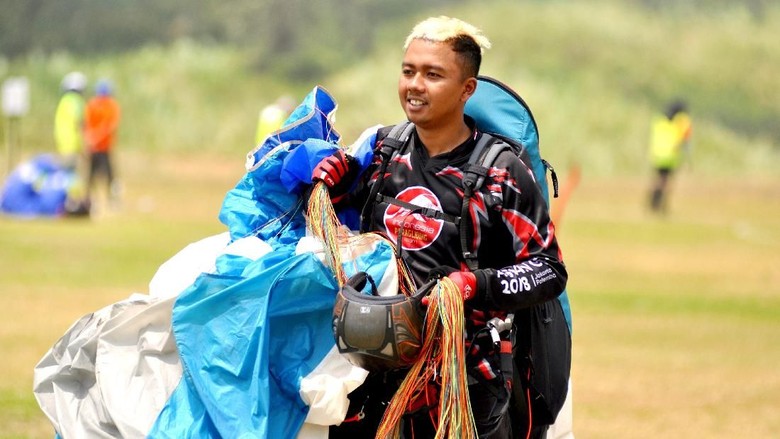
{"points": [[484, 279]]}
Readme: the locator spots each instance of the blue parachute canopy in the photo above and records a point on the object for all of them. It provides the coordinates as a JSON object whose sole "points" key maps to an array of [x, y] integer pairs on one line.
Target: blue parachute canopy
{"points": [[250, 333]]}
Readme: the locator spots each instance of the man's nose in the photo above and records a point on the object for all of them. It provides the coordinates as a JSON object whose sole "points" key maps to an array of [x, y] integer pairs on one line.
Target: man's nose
{"points": [[416, 82]]}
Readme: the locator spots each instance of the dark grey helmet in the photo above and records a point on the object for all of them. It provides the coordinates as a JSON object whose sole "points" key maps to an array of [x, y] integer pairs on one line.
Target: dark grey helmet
{"points": [[378, 332]]}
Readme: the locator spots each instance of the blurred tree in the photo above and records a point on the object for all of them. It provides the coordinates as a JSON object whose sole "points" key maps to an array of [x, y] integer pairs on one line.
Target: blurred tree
{"points": [[15, 25], [296, 38]]}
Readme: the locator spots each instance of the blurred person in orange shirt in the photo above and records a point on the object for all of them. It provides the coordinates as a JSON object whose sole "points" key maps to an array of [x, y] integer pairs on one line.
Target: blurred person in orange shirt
{"points": [[101, 121]]}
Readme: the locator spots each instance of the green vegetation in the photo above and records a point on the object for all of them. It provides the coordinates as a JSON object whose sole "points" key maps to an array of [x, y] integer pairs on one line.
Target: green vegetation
{"points": [[292, 38], [675, 318]]}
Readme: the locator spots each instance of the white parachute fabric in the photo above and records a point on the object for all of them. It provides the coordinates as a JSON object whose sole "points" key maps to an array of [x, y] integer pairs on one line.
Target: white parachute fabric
{"points": [[65, 382], [137, 364], [235, 338]]}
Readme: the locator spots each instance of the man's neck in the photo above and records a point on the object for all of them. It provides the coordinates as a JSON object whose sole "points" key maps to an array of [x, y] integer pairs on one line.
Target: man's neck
{"points": [[443, 139]]}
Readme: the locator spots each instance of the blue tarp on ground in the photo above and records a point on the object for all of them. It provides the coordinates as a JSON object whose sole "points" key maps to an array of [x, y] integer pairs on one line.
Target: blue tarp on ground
{"points": [[37, 187]]}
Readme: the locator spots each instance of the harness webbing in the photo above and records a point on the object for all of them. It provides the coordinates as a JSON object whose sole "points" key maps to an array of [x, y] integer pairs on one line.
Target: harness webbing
{"points": [[395, 140], [473, 178], [413, 208], [427, 211]]}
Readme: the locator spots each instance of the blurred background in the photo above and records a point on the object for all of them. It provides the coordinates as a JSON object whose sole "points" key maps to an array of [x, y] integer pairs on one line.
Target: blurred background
{"points": [[193, 74], [675, 315]]}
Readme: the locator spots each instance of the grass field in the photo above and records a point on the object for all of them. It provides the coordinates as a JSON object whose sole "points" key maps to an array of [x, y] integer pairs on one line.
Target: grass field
{"points": [[676, 318]]}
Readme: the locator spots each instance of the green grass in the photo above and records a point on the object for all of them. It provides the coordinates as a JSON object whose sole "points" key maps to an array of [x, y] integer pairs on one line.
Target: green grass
{"points": [[675, 318]]}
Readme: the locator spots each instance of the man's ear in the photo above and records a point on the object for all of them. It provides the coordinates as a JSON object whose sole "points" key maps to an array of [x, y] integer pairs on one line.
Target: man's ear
{"points": [[469, 87]]}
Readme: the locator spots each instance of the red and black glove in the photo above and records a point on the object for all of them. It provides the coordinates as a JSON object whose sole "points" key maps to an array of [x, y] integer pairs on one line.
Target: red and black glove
{"points": [[466, 281], [338, 171]]}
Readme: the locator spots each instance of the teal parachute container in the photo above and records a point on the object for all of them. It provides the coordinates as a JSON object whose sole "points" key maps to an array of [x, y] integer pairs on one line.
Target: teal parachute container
{"points": [[497, 109]]}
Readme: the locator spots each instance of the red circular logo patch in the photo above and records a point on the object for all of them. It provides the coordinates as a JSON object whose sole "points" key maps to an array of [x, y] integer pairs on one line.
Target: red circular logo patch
{"points": [[418, 230]]}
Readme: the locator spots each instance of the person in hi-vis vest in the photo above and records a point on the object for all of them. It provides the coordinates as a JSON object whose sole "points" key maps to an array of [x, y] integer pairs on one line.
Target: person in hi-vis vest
{"points": [[69, 120], [669, 141], [272, 117]]}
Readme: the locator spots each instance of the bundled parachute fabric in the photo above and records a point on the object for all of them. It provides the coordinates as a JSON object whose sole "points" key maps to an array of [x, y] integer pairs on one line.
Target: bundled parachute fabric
{"points": [[234, 339], [86, 384], [38, 187], [260, 203]]}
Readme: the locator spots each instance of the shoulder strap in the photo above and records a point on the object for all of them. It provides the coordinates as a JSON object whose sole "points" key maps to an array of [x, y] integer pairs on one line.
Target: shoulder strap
{"points": [[395, 141], [490, 157], [396, 138], [482, 158], [474, 174]]}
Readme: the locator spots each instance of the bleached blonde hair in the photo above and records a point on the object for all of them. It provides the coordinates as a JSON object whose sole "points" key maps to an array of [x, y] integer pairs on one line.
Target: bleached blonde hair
{"points": [[446, 29]]}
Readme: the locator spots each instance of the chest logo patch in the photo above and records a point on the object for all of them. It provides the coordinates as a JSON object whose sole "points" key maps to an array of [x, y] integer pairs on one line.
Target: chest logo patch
{"points": [[418, 231]]}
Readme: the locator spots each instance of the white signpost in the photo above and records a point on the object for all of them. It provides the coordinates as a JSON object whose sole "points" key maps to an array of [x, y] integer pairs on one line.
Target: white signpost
{"points": [[16, 103]]}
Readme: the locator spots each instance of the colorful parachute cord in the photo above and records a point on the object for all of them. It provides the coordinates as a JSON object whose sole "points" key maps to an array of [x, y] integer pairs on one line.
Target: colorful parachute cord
{"points": [[324, 224], [442, 358]]}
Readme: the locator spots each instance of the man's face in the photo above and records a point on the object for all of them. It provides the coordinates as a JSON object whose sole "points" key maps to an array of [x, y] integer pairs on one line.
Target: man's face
{"points": [[432, 87]]}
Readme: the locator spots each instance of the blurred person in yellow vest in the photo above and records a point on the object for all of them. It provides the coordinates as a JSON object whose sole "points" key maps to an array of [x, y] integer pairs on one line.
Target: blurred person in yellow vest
{"points": [[101, 122], [69, 139], [273, 116], [69, 120], [669, 141]]}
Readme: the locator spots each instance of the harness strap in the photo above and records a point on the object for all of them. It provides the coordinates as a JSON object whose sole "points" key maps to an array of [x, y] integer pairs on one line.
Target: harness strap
{"points": [[397, 136], [427, 211], [553, 176], [412, 209], [473, 177], [396, 139]]}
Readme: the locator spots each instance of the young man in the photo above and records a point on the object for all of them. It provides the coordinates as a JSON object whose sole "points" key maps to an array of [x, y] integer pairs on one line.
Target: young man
{"points": [[520, 267]]}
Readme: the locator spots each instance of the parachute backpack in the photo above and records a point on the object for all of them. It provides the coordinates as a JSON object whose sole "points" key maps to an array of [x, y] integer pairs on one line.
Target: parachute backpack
{"points": [[502, 113]]}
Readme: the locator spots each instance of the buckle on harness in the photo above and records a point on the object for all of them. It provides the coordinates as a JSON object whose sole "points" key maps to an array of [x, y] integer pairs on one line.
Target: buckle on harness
{"points": [[496, 327]]}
